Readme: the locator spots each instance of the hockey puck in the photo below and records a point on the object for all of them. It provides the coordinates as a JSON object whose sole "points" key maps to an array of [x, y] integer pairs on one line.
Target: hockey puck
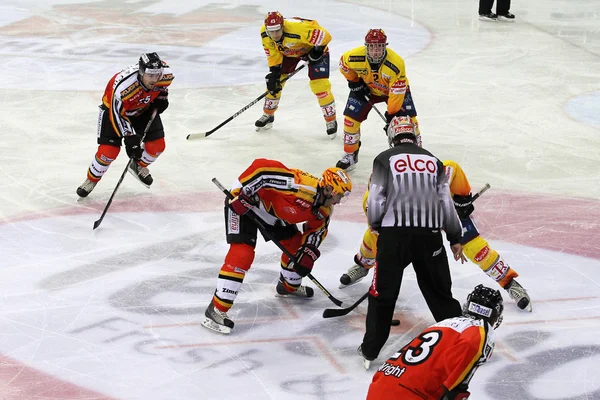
{"points": [[395, 322]]}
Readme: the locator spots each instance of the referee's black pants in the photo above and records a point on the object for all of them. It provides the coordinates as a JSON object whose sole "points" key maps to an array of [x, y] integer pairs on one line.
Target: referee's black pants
{"points": [[396, 248]]}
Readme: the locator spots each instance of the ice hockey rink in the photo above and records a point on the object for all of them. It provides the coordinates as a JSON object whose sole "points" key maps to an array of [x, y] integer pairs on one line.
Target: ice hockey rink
{"points": [[115, 313]]}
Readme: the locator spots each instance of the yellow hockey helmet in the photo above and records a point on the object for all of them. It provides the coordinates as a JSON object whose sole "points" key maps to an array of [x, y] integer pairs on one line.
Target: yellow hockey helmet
{"points": [[339, 181]]}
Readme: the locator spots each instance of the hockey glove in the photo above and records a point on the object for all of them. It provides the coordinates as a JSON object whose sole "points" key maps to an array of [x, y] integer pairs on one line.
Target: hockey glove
{"points": [[243, 203], [359, 89], [273, 80], [315, 54], [305, 259], [458, 393], [133, 146], [161, 103], [464, 205]]}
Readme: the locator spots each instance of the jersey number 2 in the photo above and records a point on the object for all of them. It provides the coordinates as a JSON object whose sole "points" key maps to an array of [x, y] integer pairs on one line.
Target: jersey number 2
{"points": [[417, 353]]}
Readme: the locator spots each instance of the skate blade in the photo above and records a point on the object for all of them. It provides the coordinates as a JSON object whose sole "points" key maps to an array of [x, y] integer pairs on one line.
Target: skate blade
{"points": [[332, 135], [264, 128], [137, 178], [342, 286], [213, 326], [366, 364], [293, 296], [350, 168]]}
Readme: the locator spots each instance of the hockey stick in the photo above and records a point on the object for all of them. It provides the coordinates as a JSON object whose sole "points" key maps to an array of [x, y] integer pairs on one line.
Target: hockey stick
{"points": [[261, 225], [339, 312], [99, 221], [202, 135]]}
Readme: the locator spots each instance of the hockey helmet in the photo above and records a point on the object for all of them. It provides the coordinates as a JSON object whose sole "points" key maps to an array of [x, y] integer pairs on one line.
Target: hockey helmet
{"points": [[273, 21], [401, 129], [376, 42], [485, 303], [339, 181], [150, 63]]}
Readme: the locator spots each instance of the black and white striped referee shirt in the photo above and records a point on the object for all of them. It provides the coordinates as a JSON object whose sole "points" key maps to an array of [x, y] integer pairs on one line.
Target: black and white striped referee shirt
{"points": [[409, 189]]}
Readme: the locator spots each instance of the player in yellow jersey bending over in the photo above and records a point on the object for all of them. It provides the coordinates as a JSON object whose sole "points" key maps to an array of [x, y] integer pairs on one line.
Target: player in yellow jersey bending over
{"points": [[476, 248], [286, 42]]}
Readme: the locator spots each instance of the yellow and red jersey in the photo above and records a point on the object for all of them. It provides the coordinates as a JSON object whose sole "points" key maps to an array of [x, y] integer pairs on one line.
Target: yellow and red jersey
{"points": [[126, 97], [287, 196], [299, 37], [444, 355], [459, 184], [389, 80]]}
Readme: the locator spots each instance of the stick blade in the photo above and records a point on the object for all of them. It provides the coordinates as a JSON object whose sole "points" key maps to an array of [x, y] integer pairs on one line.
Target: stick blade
{"points": [[334, 312], [194, 136], [97, 223]]}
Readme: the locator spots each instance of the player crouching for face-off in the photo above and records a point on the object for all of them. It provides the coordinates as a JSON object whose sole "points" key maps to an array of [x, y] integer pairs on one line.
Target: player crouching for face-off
{"points": [[286, 42], [438, 364], [282, 197], [127, 106], [475, 247]]}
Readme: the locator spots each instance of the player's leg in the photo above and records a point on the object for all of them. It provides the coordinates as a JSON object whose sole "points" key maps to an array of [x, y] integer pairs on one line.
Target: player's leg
{"points": [[109, 146], [430, 263], [241, 235], [363, 260], [356, 111], [272, 101], [318, 74], [154, 146]]}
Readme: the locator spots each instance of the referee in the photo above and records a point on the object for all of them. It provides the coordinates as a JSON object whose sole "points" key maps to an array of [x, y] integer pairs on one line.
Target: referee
{"points": [[409, 204]]}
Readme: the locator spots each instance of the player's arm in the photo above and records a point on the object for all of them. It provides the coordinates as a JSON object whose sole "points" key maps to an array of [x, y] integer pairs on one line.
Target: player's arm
{"points": [[314, 232], [318, 38], [462, 359], [274, 56], [377, 199], [451, 223], [398, 88], [460, 189], [346, 70], [118, 110]]}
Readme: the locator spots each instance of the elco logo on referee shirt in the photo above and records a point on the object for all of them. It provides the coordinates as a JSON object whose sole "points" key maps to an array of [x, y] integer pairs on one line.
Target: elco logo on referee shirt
{"points": [[414, 162]]}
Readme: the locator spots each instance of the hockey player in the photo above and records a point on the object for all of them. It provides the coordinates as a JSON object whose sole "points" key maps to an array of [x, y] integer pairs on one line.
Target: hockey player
{"points": [[286, 42], [439, 363], [282, 197], [375, 74], [475, 248], [127, 105]]}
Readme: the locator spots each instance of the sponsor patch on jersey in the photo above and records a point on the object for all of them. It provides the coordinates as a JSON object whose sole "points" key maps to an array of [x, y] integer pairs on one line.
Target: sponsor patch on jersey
{"points": [[317, 37], [357, 59], [391, 66], [483, 253], [399, 87], [130, 89], [418, 163], [303, 204], [480, 310]]}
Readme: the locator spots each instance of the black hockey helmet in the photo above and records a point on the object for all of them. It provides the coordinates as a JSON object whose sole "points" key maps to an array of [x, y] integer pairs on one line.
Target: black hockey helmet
{"points": [[150, 63], [485, 303]]}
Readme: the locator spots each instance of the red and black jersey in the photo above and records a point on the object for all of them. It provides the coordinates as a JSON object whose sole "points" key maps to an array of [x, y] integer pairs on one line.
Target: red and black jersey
{"points": [[126, 97], [444, 355]]}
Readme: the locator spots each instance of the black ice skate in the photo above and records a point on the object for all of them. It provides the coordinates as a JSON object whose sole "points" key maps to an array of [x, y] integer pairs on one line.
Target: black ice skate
{"points": [[265, 122], [86, 188], [332, 129], [488, 17], [302, 291], [354, 275], [519, 295], [366, 360], [141, 173], [508, 17], [217, 320], [349, 160]]}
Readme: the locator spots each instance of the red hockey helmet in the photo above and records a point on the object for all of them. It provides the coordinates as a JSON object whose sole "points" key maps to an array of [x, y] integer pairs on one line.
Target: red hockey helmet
{"points": [[376, 42], [274, 21]]}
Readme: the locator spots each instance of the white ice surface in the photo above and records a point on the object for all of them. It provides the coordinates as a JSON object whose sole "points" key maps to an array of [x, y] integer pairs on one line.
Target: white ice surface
{"points": [[115, 313]]}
